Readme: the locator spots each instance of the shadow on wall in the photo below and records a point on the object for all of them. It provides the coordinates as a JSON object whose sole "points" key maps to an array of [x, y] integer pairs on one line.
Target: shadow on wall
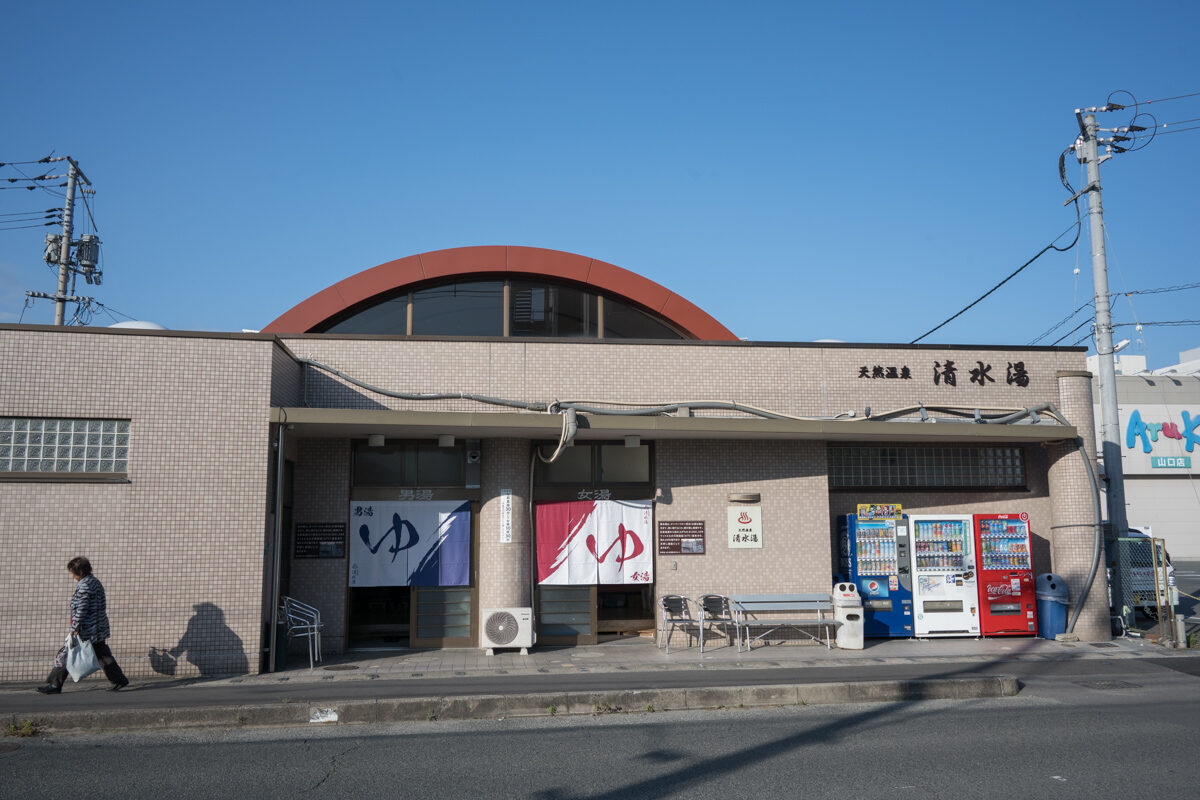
{"points": [[322, 390], [211, 646]]}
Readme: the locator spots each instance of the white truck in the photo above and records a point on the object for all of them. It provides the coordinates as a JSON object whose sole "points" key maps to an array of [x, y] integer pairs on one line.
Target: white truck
{"points": [[1142, 579]]}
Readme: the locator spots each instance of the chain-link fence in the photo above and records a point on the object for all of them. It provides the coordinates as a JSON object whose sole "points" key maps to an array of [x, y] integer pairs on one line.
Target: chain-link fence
{"points": [[1140, 581]]}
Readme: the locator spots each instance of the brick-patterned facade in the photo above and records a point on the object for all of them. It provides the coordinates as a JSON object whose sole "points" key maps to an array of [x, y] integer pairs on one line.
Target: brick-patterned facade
{"points": [[185, 544], [179, 544], [695, 480], [504, 566], [1075, 535]]}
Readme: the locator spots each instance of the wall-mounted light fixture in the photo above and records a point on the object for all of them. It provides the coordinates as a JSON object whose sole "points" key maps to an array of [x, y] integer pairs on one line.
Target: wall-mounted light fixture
{"points": [[446, 440], [745, 498], [375, 440], [633, 441]]}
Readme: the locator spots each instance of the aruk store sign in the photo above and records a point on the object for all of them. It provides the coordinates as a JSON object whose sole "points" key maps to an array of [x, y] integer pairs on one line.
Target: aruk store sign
{"points": [[1160, 439], [1148, 433]]}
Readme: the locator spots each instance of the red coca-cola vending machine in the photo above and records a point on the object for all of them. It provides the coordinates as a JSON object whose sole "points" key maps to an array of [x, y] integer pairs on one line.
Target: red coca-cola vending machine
{"points": [[1007, 599]]}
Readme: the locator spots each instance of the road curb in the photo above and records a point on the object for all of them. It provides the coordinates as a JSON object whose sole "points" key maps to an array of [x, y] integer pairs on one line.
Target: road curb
{"points": [[467, 707]]}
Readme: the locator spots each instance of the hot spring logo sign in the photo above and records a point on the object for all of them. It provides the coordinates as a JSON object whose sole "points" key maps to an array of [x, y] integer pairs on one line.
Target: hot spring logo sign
{"points": [[1148, 432]]}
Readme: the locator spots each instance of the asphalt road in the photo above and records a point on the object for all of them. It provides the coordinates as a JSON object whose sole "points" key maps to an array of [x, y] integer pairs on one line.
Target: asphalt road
{"points": [[1063, 737]]}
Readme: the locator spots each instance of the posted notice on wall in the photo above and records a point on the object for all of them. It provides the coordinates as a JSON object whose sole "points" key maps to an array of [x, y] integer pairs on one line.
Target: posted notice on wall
{"points": [[506, 516], [681, 537], [320, 540]]}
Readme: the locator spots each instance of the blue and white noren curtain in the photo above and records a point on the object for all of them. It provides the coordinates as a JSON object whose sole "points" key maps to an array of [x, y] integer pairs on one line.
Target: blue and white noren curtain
{"points": [[410, 543]]}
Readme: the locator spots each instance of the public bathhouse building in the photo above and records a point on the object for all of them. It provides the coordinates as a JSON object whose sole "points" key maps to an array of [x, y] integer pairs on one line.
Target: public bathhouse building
{"points": [[485, 428]]}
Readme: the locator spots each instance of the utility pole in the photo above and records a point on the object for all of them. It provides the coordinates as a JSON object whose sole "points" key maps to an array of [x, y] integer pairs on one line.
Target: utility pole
{"points": [[1110, 426], [64, 252]]}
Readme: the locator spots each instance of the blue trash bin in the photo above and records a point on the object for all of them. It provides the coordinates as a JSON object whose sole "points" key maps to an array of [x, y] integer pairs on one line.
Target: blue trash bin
{"points": [[1052, 598]]}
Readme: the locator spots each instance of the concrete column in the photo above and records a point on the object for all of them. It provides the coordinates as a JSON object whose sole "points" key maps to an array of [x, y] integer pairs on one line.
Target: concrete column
{"points": [[1073, 508], [504, 566]]}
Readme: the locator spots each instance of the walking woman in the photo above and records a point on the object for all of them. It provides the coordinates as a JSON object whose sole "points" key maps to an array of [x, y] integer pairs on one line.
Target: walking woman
{"points": [[89, 620]]}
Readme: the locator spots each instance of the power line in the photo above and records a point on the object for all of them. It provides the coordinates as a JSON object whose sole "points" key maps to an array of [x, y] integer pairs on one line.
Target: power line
{"points": [[1179, 122], [1181, 287], [23, 213], [1061, 322], [1012, 275], [23, 227], [1164, 133], [46, 160], [30, 218], [1087, 321], [39, 186], [87, 207], [110, 310], [43, 177], [1176, 97], [1168, 323]]}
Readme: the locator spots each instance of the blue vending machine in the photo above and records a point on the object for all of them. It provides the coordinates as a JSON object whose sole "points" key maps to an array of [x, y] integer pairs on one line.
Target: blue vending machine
{"points": [[874, 555]]}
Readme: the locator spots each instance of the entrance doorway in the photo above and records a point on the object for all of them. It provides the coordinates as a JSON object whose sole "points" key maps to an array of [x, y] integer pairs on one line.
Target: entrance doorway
{"points": [[624, 609], [380, 617], [595, 495]]}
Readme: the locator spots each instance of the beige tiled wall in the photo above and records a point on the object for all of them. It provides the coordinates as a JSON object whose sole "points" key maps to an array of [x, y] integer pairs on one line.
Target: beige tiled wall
{"points": [[695, 480], [179, 547], [789, 379], [1073, 543], [503, 567], [322, 494]]}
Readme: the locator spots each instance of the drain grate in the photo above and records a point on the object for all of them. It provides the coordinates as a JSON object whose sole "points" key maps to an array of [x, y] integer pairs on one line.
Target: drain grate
{"points": [[340, 667], [1103, 644], [1102, 685]]}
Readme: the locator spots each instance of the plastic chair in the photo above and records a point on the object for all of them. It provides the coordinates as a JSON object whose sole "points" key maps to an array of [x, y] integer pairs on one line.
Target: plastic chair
{"points": [[715, 611], [677, 612], [304, 621]]}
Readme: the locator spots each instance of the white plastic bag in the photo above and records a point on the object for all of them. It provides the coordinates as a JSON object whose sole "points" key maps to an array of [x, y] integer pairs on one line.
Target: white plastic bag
{"points": [[81, 658]]}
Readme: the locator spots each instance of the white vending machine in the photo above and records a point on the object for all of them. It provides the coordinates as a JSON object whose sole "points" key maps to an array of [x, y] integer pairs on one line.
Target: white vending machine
{"points": [[944, 580]]}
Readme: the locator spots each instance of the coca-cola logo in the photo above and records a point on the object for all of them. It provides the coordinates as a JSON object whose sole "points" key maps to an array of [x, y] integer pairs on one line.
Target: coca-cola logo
{"points": [[1000, 589]]}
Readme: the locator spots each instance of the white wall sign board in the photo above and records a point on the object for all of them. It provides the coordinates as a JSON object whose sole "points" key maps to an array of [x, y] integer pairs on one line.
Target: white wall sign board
{"points": [[745, 527]]}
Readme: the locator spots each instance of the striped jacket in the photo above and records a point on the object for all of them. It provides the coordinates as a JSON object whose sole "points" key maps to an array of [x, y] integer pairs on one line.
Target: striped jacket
{"points": [[88, 613]]}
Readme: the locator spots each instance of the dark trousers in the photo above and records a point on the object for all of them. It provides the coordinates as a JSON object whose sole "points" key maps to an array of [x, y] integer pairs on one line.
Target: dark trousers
{"points": [[112, 670]]}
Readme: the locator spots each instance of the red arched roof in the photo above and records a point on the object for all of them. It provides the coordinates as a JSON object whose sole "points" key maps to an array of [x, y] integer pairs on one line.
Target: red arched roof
{"points": [[464, 262]]}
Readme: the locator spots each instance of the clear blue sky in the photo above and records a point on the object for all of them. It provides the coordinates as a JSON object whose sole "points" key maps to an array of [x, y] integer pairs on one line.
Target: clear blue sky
{"points": [[857, 171]]}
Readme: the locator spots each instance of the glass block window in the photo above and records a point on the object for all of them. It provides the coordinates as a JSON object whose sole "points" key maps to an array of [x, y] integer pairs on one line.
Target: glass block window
{"points": [[926, 467], [29, 444]]}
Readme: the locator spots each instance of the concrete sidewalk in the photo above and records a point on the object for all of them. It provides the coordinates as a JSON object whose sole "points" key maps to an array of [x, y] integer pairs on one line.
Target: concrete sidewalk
{"points": [[621, 675]]}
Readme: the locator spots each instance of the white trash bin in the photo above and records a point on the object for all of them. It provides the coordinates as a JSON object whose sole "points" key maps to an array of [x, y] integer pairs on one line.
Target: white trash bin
{"points": [[848, 610]]}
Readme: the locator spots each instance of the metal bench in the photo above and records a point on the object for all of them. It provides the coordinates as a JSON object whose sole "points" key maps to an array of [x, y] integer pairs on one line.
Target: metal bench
{"points": [[817, 622]]}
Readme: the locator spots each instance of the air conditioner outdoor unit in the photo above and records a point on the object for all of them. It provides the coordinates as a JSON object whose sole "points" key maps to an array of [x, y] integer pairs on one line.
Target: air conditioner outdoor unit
{"points": [[508, 627]]}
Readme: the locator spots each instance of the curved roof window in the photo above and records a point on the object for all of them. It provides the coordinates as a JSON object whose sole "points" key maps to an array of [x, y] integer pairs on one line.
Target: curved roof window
{"points": [[516, 307], [501, 290]]}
